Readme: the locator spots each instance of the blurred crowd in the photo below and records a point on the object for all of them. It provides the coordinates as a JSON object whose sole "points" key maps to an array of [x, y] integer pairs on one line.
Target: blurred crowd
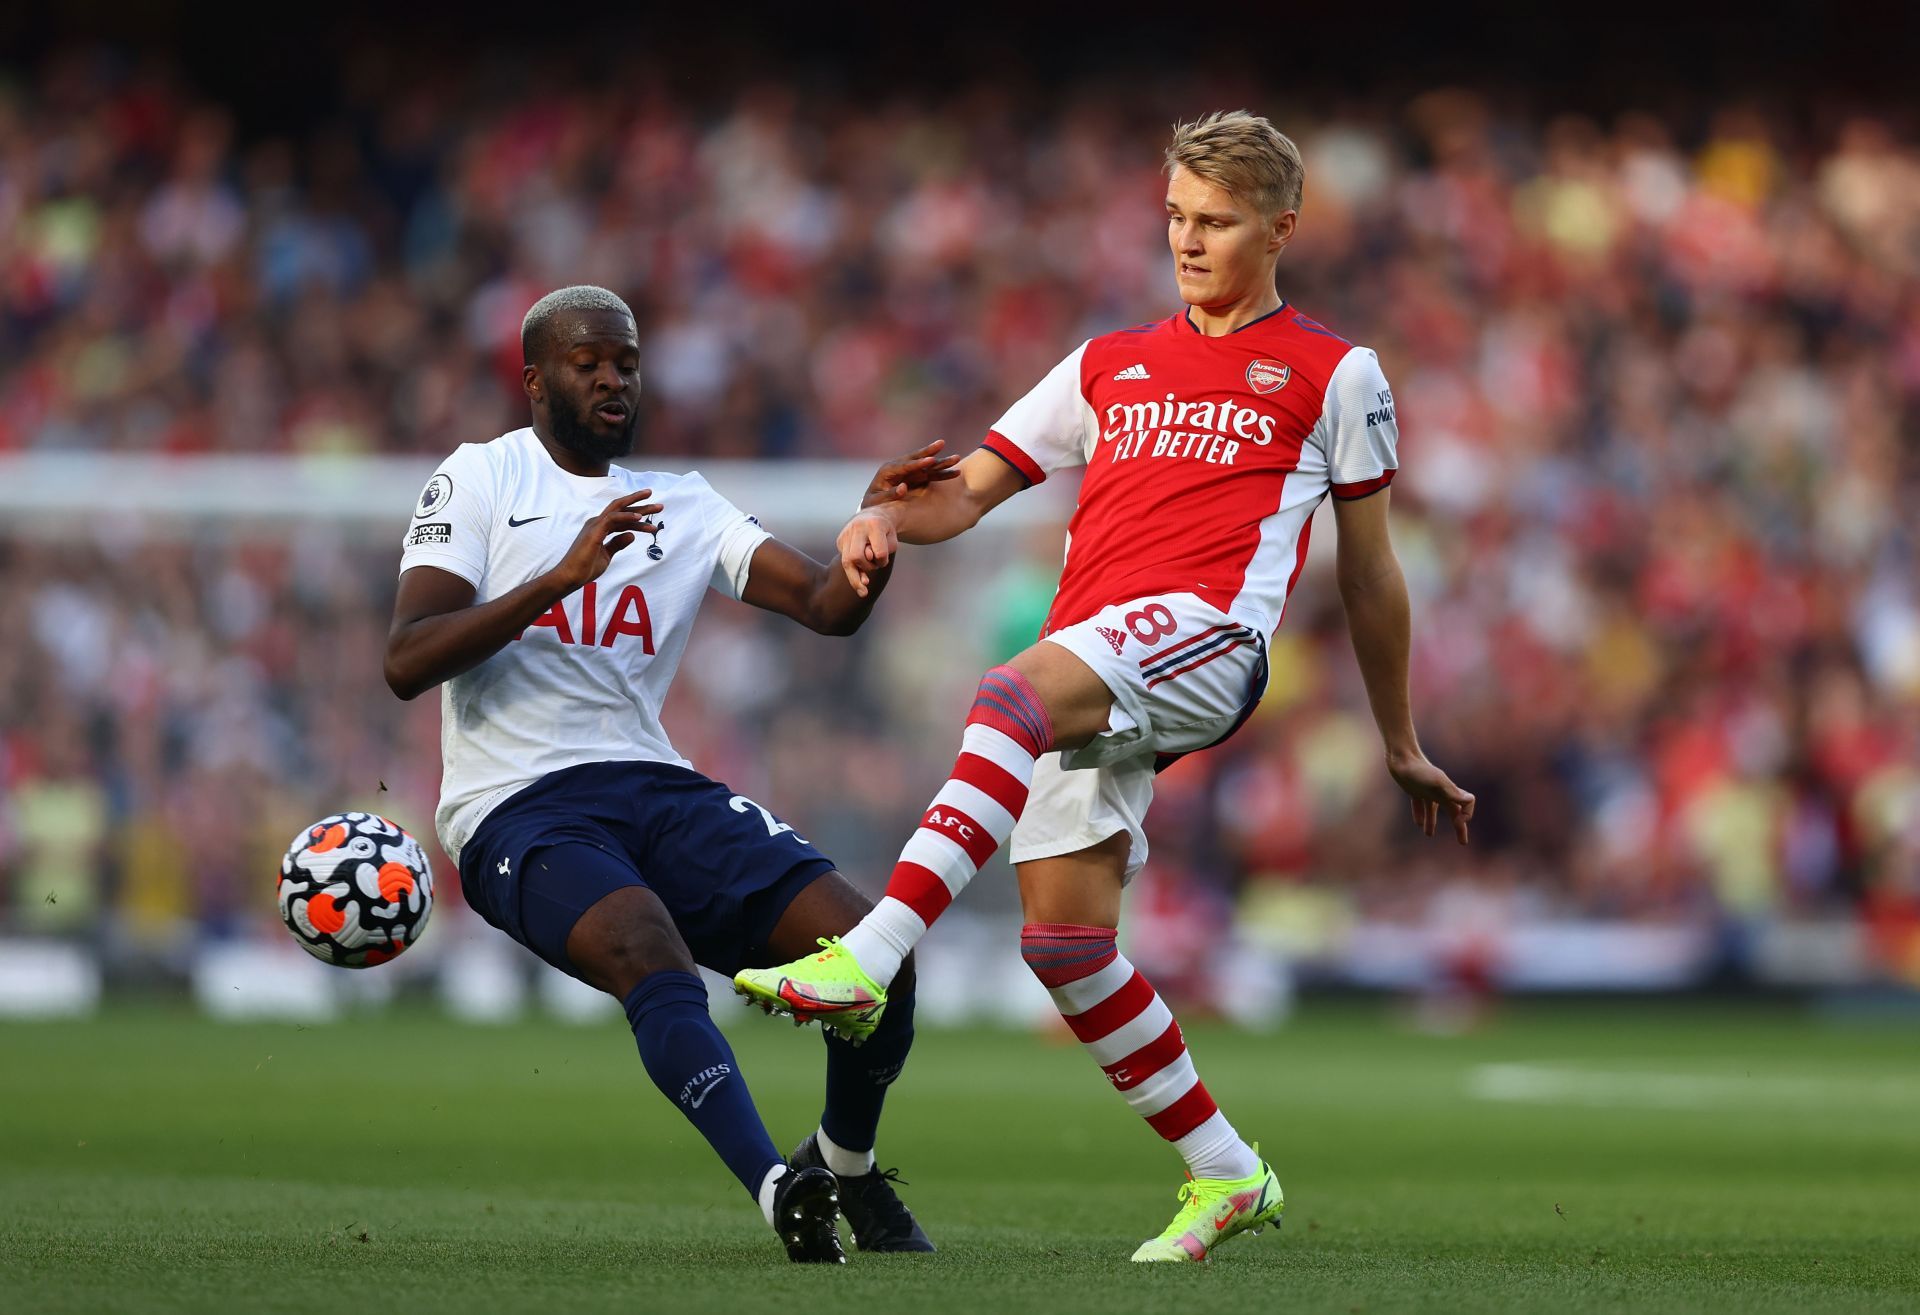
{"points": [[1658, 382]]}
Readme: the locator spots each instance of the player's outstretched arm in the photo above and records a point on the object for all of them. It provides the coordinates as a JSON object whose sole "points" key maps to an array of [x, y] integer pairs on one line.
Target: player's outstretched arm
{"points": [[818, 595], [911, 476], [934, 514], [1379, 623], [437, 632]]}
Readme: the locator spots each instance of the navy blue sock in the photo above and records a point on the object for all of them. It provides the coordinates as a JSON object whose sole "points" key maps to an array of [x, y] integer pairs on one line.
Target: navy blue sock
{"points": [[858, 1076], [694, 1067]]}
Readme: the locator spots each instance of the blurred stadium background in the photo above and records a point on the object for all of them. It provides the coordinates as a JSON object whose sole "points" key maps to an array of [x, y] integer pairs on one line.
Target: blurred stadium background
{"points": [[1647, 282], [1655, 332]]}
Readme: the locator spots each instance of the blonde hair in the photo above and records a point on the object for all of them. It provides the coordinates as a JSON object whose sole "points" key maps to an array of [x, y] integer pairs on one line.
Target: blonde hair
{"points": [[537, 327], [1244, 155]]}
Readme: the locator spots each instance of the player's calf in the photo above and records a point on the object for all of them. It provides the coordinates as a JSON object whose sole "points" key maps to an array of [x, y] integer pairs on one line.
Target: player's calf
{"points": [[845, 986], [627, 945], [1007, 729], [695, 1068], [1131, 1034], [858, 1077]]}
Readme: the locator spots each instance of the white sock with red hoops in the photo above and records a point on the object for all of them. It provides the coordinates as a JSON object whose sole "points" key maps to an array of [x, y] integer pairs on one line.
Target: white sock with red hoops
{"points": [[1132, 1035], [971, 817]]}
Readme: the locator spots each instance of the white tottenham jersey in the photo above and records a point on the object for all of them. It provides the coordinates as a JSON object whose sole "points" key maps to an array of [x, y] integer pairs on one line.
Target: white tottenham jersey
{"points": [[585, 682]]}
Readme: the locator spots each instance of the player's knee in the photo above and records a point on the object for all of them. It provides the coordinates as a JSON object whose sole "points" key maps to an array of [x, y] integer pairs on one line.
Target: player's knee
{"points": [[1058, 953], [1008, 702], [615, 947], [626, 958]]}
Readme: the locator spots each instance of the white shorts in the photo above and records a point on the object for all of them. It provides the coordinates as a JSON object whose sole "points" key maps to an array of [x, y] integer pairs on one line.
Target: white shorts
{"points": [[1183, 675]]}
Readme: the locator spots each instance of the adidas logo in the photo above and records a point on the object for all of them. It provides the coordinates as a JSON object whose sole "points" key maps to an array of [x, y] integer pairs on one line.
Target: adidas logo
{"points": [[1114, 637], [1133, 372]]}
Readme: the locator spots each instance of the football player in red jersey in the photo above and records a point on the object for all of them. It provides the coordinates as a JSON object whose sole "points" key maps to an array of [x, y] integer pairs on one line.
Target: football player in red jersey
{"points": [[1233, 420]]}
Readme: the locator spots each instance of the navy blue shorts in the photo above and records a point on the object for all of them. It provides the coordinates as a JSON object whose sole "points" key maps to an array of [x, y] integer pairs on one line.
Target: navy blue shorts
{"points": [[724, 866]]}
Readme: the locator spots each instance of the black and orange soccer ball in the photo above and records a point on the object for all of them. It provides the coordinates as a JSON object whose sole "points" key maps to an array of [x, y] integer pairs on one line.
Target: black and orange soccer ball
{"points": [[355, 889]]}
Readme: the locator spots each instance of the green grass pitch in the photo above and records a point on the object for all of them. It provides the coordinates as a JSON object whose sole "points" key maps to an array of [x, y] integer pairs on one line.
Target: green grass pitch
{"points": [[1656, 1159]]}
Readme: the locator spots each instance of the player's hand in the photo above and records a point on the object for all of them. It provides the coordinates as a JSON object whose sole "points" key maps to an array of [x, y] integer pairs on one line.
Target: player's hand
{"points": [[866, 544], [914, 473], [605, 535], [1430, 791]]}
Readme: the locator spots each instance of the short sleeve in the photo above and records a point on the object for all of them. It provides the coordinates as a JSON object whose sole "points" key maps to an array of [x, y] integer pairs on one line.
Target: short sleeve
{"points": [[737, 536], [453, 517], [1048, 429], [1357, 427]]}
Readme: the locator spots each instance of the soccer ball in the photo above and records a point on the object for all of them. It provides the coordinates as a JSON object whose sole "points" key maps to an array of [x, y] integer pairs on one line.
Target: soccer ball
{"points": [[355, 890]]}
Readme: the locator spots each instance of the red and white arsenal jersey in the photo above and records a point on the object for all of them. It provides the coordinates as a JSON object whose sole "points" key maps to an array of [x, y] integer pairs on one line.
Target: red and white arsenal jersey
{"points": [[1205, 458]]}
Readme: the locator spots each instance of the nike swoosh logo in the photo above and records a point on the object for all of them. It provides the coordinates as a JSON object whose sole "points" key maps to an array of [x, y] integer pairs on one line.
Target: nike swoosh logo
{"points": [[696, 1102], [803, 1001], [528, 521]]}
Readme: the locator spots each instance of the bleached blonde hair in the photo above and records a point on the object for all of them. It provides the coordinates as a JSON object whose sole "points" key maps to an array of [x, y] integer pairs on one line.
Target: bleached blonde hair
{"points": [[537, 326], [1242, 154]]}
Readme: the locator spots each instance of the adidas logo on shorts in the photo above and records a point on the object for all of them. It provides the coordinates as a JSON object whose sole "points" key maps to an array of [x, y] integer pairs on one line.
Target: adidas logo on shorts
{"points": [[1114, 637]]}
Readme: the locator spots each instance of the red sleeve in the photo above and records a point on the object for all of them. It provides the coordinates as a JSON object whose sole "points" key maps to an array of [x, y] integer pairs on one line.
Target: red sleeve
{"points": [[1010, 452], [1353, 492]]}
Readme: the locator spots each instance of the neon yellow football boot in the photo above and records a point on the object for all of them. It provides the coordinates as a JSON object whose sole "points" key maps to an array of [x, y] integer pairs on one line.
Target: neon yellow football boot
{"points": [[1215, 1209], [830, 988]]}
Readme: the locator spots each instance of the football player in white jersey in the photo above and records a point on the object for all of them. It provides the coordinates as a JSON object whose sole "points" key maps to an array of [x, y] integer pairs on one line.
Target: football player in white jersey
{"points": [[578, 830]]}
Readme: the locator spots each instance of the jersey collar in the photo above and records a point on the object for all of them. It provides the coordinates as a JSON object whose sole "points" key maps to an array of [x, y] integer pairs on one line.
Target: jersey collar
{"points": [[1242, 329]]}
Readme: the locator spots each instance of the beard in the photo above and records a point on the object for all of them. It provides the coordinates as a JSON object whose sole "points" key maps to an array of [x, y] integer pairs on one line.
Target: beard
{"points": [[574, 431]]}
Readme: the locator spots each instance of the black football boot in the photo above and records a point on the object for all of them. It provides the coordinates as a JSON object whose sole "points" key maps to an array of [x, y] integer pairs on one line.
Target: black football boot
{"points": [[880, 1220], [806, 1214]]}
